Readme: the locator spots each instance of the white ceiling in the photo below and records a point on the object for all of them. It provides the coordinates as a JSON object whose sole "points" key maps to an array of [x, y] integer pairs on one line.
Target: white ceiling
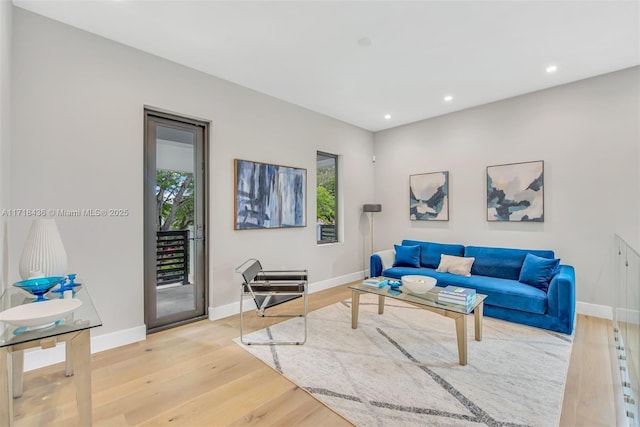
{"points": [[309, 53]]}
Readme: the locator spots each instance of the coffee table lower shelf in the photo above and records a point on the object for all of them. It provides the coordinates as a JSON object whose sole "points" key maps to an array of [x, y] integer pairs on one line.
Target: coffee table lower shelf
{"points": [[459, 317]]}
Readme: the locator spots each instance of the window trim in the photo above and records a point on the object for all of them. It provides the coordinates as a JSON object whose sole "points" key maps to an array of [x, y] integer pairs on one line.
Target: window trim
{"points": [[336, 198]]}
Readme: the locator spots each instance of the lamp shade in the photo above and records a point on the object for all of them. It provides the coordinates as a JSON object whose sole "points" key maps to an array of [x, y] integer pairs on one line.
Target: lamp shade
{"points": [[372, 208], [43, 251]]}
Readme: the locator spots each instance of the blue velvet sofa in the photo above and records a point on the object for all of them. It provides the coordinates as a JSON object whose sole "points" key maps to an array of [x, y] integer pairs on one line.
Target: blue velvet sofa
{"points": [[495, 272]]}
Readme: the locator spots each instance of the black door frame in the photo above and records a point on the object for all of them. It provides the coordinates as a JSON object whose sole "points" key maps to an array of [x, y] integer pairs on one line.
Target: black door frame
{"points": [[155, 115]]}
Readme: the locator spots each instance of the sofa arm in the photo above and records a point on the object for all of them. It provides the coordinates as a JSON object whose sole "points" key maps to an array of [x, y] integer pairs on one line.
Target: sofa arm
{"points": [[380, 261], [562, 297]]}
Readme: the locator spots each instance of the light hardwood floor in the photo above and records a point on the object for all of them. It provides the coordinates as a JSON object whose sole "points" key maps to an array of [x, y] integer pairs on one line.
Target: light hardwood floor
{"points": [[194, 375]]}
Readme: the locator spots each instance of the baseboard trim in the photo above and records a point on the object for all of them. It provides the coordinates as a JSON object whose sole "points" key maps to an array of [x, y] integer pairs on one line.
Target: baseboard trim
{"points": [[628, 316], [595, 310], [227, 310], [118, 338], [336, 281], [38, 358]]}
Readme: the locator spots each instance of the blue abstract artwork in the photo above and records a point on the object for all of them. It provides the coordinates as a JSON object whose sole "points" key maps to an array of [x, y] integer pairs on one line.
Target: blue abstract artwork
{"points": [[515, 192], [429, 196], [269, 196]]}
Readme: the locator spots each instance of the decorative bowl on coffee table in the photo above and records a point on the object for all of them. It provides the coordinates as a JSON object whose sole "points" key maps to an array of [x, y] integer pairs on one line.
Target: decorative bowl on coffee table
{"points": [[418, 284], [39, 286]]}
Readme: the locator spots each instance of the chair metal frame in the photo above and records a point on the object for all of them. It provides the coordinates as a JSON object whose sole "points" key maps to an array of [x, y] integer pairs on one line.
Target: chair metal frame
{"points": [[270, 288]]}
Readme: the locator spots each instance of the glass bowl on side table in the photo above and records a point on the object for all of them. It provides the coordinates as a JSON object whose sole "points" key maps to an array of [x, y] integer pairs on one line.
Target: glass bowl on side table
{"points": [[39, 286]]}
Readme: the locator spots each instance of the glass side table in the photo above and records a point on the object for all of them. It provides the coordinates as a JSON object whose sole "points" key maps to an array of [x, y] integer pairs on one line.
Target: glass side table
{"points": [[74, 330]]}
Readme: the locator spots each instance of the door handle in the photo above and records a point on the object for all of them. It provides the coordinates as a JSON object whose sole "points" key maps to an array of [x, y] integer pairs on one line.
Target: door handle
{"points": [[199, 232]]}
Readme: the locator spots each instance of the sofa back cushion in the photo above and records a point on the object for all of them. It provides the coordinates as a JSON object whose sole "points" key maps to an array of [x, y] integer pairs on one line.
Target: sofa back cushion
{"points": [[431, 251], [505, 263]]}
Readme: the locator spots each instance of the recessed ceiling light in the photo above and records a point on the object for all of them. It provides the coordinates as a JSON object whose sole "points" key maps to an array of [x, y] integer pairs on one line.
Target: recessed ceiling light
{"points": [[448, 98], [552, 69], [364, 42], [387, 116]]}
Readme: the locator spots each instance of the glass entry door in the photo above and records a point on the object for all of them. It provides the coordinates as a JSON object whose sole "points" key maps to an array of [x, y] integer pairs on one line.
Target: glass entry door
{"points": [[175, 212]]}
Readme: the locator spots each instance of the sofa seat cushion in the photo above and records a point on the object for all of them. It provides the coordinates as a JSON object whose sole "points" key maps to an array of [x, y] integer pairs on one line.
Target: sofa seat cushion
{"points": [[398, 272], [505, 293], [500, 292]]}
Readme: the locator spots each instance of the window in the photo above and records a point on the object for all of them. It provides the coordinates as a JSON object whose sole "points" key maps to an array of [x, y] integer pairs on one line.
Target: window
{"points": [[327, 198]]}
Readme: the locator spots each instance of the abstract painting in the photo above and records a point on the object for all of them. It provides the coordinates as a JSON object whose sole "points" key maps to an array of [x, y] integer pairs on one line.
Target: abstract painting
{"points": [[429, 196], [515, 192], [269, 196]]}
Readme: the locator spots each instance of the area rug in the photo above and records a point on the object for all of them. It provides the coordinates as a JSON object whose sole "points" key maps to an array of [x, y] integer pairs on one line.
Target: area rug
{"points": [[401, 368]]}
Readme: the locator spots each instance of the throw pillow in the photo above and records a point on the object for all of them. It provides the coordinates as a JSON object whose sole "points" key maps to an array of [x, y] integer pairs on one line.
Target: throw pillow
{"points": [[537, 271], [407, 256], [455, 265]]}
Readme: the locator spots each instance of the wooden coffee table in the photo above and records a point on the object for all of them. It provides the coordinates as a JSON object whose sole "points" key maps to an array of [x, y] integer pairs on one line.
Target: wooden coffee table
{"points": [[429, 302]]}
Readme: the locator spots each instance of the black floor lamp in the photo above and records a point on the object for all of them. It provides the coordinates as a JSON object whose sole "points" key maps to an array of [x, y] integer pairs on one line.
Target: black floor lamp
{"points": [[371, 209]]}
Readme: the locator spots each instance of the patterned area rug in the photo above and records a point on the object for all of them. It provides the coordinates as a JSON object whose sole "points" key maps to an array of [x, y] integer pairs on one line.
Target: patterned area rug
{"points": [[401, 368]]}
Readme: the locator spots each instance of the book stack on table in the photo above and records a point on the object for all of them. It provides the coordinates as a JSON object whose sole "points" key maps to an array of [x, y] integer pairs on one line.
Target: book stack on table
{"points": [[376, 282], [457, 295]]}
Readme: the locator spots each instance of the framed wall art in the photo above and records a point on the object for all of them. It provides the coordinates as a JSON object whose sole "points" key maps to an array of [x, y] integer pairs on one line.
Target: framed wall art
{"points": [[429, 196], [515, 192], [269, 196]]}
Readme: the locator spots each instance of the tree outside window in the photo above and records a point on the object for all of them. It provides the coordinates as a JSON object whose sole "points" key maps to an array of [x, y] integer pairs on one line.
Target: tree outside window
{"points": [[174, 199]]}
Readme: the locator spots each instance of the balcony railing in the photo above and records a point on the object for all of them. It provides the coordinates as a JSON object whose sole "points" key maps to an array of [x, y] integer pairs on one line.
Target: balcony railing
{"points": [[626, 322], [172, 257], [326, 233]]}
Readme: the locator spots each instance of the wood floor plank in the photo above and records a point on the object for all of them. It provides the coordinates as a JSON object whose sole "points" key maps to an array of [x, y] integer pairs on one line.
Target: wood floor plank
{"points": [[243, 394], [291, 408], [589, 398], [195, 375]]}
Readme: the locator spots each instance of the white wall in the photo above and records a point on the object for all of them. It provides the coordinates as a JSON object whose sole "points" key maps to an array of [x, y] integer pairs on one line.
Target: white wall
{"points": [[588, 135], [6, 18], [78, 143]]}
